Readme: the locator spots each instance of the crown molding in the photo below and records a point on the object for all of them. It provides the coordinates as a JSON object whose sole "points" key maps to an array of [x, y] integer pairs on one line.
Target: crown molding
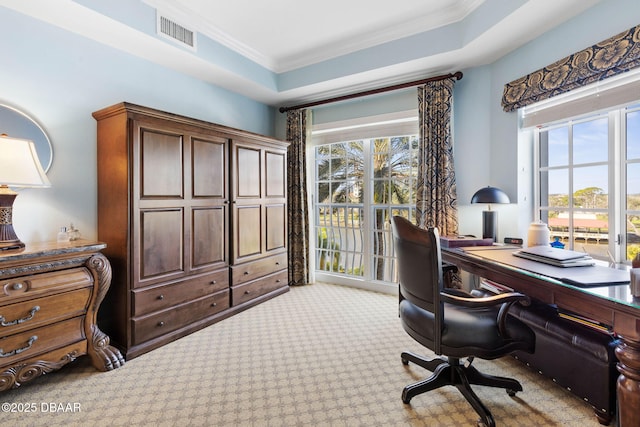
{"points": [[422, 23]]}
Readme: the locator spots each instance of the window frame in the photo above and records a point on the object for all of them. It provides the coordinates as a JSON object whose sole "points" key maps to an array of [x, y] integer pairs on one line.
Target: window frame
{"points": [[617, 162]]}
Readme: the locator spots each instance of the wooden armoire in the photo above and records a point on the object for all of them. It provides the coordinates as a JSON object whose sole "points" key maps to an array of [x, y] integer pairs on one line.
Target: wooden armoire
{"points": [[194, 215]]}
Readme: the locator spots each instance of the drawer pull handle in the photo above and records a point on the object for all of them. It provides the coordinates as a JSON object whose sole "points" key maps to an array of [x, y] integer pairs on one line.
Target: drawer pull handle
{"points": [[246, 292], [213, 304], [161, 323], [160, 297], [213, 282], [19, 350], [16, 286], [246, 273], [32, 313], [277, 280], [277, 263]]}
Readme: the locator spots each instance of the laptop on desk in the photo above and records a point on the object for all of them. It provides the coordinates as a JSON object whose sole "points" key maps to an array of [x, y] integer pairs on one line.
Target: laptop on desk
{"points": [[555, 256]]}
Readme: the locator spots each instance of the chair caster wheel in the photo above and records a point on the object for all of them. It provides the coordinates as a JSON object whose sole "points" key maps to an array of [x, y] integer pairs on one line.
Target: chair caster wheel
{"points": [[511, 392], [405, 361]]}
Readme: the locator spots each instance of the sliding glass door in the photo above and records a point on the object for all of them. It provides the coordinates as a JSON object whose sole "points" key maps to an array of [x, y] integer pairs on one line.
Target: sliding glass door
{"points": [[358, 186]]}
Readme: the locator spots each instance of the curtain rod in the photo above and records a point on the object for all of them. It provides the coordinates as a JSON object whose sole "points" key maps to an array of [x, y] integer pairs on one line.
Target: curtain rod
{"points": [[457, 75]]}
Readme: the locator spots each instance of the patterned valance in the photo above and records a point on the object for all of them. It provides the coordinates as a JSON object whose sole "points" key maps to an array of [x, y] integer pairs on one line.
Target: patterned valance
{"points": [[608, 58]]}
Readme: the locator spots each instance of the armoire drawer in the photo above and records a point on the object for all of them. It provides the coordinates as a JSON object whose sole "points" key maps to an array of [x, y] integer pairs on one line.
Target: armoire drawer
{"points": [[40, 340], [35, 285], [40, 311], [248, 291], [157, 324], [149, 300], [252, 270]]}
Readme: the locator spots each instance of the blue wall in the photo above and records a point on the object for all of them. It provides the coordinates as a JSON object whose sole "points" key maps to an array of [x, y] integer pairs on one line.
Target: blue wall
{"points": [[489, 150], [510, 152], [59, 79]]}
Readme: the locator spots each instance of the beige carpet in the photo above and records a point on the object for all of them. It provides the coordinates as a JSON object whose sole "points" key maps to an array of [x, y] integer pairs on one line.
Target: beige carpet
{"points": [[319, 355]]}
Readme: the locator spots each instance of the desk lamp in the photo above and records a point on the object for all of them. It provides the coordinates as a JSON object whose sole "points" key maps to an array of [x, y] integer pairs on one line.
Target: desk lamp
{"points": [[19, 167], [490, 195]]}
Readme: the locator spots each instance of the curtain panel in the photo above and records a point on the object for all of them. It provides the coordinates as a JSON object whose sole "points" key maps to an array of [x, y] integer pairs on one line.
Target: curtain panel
{"points": [[437, 204], [608, 58], [297, 215]]}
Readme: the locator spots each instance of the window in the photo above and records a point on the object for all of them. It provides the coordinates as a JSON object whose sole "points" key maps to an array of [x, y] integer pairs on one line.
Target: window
{"points": [[358, 185], [588, 182]]}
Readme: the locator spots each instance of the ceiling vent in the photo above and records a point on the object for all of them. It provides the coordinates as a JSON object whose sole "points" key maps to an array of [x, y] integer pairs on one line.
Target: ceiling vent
{"points": [[170, 29]]}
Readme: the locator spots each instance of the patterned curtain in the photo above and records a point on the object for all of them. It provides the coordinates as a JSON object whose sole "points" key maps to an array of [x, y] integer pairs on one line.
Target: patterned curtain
{"points": [[608, 58], [297, 215], [437, 204]]}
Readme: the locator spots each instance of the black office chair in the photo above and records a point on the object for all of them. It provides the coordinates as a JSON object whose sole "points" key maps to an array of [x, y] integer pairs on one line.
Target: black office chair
{"points": [[451, 322]]}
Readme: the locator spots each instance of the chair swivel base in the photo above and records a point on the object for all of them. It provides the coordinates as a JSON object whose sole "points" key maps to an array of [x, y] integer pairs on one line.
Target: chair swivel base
{"points": [[452, 372]]}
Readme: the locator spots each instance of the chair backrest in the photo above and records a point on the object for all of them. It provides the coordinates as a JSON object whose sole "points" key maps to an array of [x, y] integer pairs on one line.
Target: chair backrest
{"points": [[419, 267]]}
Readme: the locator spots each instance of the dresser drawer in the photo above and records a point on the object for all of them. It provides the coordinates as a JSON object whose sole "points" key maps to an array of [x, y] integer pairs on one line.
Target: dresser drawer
{"points": [[160, 297], [35, 285], [248, 291], [40, 340], [39, 311], [252, 270], [157, 324]]}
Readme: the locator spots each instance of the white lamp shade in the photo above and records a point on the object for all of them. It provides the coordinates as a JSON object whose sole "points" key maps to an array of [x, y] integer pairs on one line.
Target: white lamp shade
{"points": [[19, 164]]}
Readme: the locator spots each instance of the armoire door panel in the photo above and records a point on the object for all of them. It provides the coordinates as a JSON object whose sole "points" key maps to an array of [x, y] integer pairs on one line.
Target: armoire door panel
{"points": [[161, 242], [249, 236], [248, 172], [275, 229], [209, 168], [275, 175], [208, 238], [161, 164]]}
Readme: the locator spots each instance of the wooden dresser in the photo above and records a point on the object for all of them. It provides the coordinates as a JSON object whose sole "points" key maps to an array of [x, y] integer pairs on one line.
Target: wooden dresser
{"points": [[194, 217], [49, 297]]}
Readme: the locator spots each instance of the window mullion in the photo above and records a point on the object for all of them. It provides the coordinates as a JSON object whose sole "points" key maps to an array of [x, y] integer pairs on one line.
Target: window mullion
{"points": [[536, 179], [616, 184], [367, 211], [571, 190]]}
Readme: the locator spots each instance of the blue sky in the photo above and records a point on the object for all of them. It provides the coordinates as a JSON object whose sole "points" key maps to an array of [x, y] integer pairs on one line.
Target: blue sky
{"points": [[590, 146]]}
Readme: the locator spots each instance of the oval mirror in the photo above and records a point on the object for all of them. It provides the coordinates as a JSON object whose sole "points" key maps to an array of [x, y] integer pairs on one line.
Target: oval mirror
{"points": [[17, 124]]}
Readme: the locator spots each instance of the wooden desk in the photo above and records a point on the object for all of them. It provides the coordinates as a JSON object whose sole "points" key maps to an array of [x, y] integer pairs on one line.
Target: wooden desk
{"points": [[612, 305]]}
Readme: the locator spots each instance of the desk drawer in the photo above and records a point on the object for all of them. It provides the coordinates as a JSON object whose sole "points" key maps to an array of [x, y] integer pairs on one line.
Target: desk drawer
{"points": [[248, 271], [160, 297], [248, 291], [157, 324], [35, 285], [580, 305], [40, 340], [39, 311]]}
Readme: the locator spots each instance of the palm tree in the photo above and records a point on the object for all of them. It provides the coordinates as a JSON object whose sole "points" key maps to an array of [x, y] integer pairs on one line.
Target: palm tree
{"points": [[340, 177]]}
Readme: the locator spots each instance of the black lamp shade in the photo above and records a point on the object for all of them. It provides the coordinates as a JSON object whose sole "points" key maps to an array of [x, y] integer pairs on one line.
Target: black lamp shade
{"points": [[490, 195]]}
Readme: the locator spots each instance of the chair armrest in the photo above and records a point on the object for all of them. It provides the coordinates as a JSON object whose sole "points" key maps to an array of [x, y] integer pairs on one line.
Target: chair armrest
{"points": [[469, 301], [505, 300]]}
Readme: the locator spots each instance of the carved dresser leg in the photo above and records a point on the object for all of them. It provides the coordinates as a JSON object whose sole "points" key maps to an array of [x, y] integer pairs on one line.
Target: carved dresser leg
{"points": [[103, 356]]}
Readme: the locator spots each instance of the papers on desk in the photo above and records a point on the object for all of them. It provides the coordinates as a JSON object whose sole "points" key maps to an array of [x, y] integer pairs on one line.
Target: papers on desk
{"points": [[555, 256]]}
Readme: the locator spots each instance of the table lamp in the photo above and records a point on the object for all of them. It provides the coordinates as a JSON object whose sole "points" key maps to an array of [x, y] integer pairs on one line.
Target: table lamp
{"points": [[490, 195], [19, 167]]}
